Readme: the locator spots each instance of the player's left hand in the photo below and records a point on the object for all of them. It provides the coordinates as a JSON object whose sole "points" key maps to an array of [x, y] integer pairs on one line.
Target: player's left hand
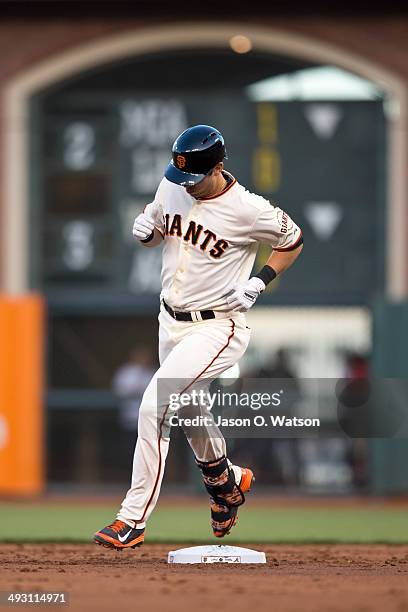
{"points": [[243, 297]]}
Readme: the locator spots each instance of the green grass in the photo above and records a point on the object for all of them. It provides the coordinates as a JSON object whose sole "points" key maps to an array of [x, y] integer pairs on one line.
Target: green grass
{"points": [[51, 523]]}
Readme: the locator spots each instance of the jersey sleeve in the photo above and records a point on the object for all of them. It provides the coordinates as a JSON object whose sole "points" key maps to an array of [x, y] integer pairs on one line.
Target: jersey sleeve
{"points": [[274, 226], [155, 209]]}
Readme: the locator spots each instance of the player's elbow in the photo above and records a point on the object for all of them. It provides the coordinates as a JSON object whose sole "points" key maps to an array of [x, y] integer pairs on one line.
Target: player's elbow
{"points": [[297, 251]]}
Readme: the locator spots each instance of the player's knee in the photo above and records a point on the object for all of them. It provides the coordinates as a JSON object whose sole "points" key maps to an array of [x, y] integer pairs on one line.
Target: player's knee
{"points": [[151, 407], [148, 406]]}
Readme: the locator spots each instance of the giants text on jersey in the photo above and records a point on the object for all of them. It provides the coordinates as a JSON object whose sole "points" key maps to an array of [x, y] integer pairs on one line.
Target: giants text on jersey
{"points": [[210, 244]]}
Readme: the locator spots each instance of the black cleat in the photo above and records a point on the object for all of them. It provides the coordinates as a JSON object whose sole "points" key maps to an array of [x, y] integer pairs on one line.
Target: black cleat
{"points": [[119, 535]]}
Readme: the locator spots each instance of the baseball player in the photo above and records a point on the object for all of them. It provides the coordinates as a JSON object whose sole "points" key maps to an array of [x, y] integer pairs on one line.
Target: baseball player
{"points": [[210, 227]]}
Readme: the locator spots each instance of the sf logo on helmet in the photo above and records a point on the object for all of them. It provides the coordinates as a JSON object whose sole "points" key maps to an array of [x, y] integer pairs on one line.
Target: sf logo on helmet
{"points": [[181, 161]]}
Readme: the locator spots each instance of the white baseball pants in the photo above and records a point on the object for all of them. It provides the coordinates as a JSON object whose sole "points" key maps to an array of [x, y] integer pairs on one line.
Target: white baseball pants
{"points": [[188, 353]]}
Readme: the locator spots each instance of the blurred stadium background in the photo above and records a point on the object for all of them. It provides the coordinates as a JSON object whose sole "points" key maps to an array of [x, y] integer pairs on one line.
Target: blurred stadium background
{"points": [[313, 106]]}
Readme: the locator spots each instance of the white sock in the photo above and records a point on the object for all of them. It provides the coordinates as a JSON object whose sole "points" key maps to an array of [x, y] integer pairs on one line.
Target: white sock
{"points": [[132, 523], [237, 473]]}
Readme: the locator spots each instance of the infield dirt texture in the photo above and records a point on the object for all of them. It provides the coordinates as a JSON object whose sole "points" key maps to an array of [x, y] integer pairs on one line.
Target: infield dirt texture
{"points": [[323, 555], [310, 578]]}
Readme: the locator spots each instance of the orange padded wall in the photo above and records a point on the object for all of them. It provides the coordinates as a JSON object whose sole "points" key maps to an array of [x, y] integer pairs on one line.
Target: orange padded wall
{"points": [[21, 395]]}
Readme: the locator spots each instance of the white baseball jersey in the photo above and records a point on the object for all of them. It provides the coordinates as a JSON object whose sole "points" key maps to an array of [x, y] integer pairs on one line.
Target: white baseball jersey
{"points": [[211, 243]]}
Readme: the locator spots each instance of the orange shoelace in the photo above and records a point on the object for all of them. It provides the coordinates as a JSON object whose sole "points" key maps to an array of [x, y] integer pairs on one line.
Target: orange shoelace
{"points": [[117, 525]]}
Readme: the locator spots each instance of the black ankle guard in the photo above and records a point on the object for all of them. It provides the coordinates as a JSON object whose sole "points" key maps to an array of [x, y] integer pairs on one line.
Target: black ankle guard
{"points": [[219, 480]]}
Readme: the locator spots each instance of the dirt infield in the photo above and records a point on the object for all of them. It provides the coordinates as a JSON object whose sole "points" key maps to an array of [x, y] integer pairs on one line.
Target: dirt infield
{"points": [[316, 578]]}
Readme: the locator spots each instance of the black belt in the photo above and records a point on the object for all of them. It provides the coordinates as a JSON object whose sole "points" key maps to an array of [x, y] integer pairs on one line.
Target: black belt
{"points": [[187, 316]]}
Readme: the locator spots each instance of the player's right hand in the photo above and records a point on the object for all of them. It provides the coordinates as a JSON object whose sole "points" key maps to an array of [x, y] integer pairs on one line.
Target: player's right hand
{"points": [[243, 297], [143, 227]]}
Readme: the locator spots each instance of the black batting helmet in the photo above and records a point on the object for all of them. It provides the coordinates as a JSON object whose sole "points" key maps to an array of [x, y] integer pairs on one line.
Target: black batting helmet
{"points": [[195, 152]]}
